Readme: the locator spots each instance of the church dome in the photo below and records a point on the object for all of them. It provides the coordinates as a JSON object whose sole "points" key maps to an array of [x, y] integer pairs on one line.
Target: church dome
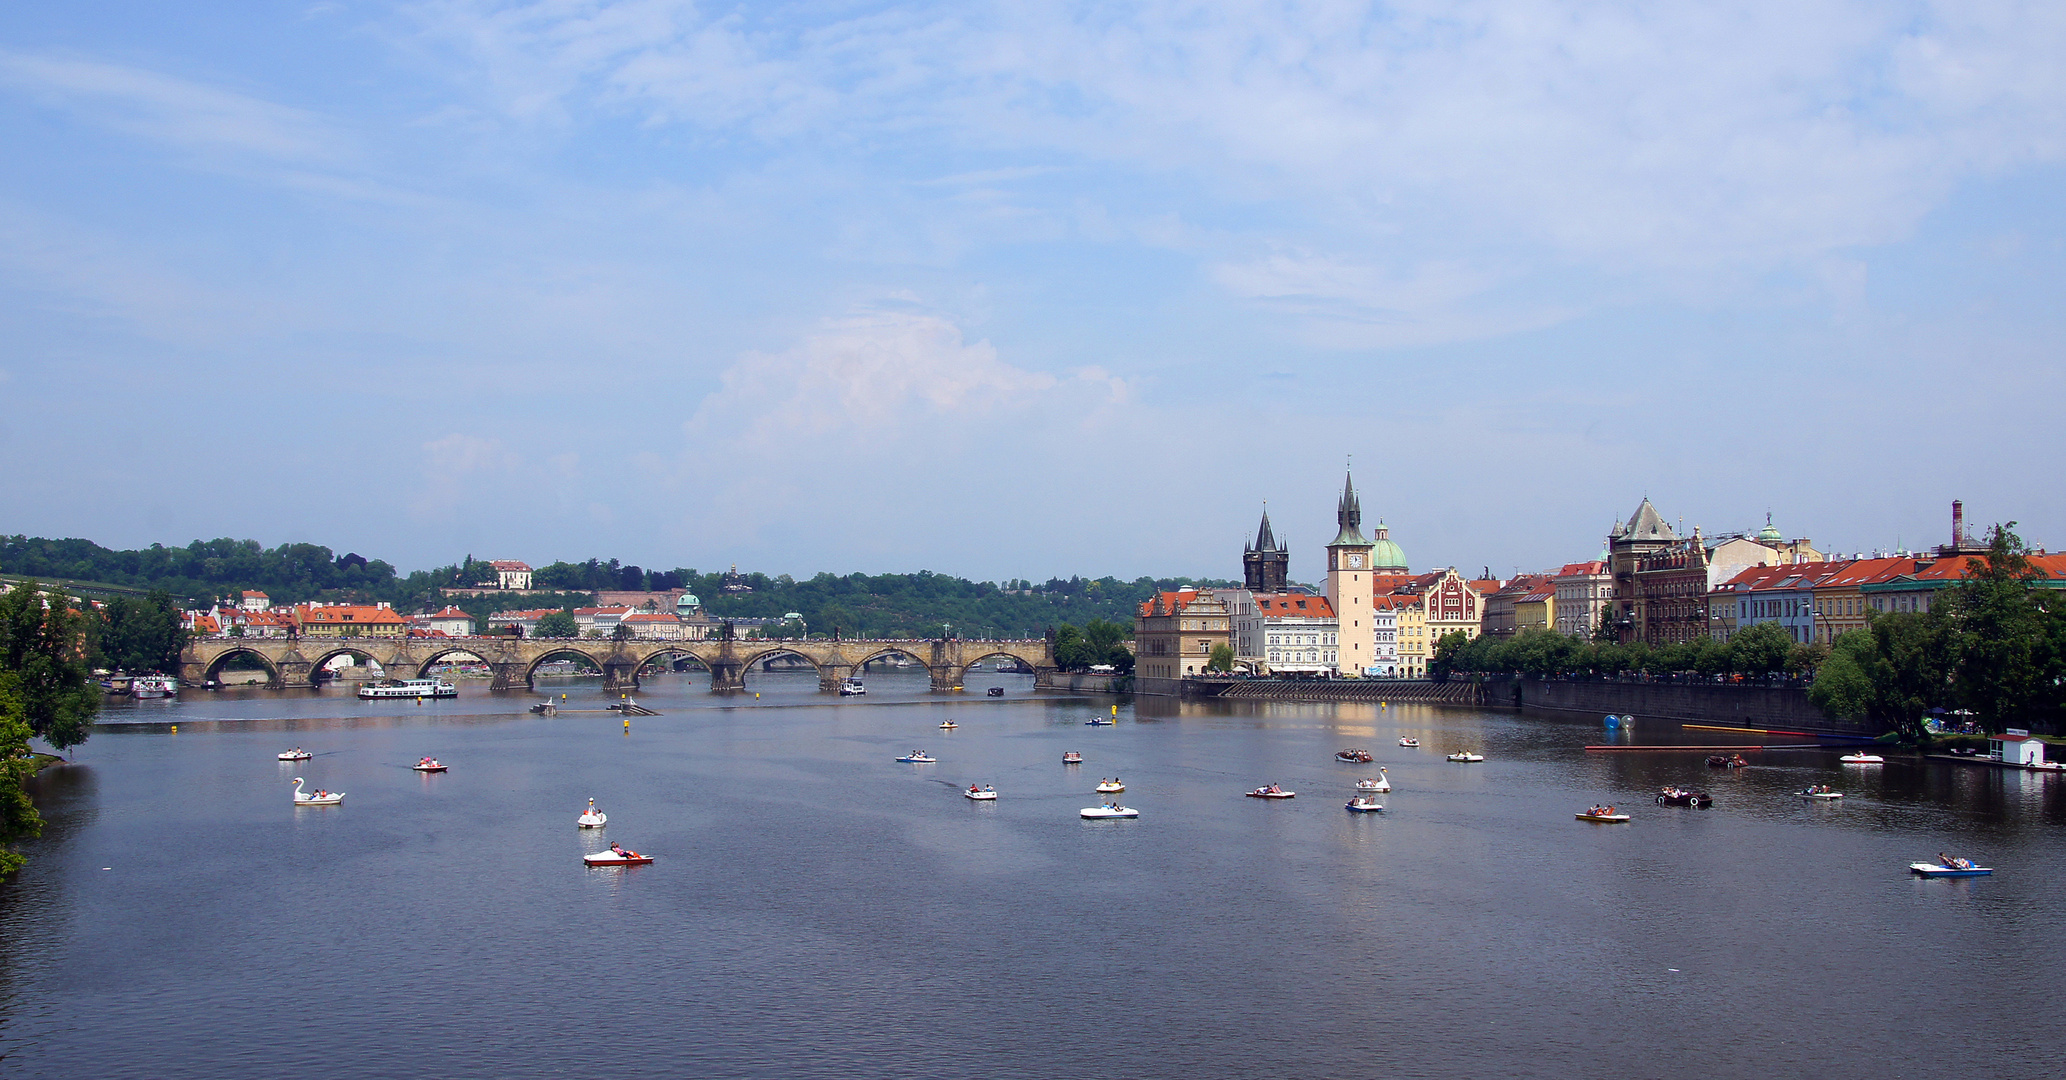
{"points": [[687, 602], [1384, 554]]}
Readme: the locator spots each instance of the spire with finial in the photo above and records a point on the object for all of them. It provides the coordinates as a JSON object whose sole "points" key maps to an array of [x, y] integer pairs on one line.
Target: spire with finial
{"points": [[1349, 515]]}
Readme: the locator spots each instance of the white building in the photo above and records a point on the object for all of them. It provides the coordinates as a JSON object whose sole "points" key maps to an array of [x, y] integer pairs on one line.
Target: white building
{"points": [[451, 622], [1384, 652], [255, 601], [600, 621], [1297, 634], [654, 626], [511, 574], [1583, 589]]}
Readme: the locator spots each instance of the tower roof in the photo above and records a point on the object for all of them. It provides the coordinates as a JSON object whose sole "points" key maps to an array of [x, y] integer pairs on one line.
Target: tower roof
{"points": [[1265, 540], [1646, 524], [1349, 515]]}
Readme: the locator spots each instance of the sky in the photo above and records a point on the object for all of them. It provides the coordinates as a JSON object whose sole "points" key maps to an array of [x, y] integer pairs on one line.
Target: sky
{"points": [[1026, 290]]}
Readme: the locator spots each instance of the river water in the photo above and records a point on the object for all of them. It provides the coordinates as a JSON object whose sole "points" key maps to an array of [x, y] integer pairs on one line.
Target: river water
{"points": [[819, 910]]}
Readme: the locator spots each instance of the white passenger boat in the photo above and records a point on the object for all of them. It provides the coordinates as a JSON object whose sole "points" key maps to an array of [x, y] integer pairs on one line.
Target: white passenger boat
{"points": [[592, 818], [852, 687], [1109, 810], [318, 797], [985, 793], [409, 688], [153, 686], [917, 757], [1465, 755], [1110, 787], [296, 754], [1862, 759]]}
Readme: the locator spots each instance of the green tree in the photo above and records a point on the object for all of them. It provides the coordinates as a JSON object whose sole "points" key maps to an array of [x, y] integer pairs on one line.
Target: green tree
{"points": [[46, 651], [1072, 652], [1221, 658], [2000, 631], [18, 817], [142, 635], [1447, 651], [559, 624], [1760, 650]]}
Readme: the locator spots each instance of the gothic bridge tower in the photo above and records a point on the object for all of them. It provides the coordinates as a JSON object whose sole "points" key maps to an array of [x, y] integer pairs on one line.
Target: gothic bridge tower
{"points": [[1265, 564]]}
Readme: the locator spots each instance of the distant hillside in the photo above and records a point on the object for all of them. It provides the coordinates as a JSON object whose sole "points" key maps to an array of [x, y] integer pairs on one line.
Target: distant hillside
{"points": [[861, 605]]}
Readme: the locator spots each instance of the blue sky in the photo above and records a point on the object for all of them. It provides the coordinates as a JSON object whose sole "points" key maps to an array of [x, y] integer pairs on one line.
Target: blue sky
{"points": [[1019, 290]]}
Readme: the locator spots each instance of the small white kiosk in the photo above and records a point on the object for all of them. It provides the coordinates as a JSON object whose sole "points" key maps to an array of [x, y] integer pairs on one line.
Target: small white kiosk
{"points": [[2016, 747]]}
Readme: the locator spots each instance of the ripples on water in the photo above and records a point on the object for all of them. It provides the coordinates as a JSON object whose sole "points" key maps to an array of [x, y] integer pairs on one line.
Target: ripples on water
{"points": [[819, 910]]}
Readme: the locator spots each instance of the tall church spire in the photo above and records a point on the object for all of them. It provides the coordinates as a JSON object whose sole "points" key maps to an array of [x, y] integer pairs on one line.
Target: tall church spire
{"points": [[1349, 515], [1265, 540], [1265, 564]]}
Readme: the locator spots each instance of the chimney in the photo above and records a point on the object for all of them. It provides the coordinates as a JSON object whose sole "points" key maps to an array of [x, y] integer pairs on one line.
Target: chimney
{"points": [[1958, 523]]}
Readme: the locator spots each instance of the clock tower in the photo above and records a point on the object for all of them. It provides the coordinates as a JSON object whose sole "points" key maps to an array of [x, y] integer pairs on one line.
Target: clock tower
{"points": [[1349, 588]]}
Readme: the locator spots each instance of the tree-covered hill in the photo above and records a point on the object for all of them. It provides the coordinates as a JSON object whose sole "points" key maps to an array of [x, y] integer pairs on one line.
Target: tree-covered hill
{"points": [[917, 605]]}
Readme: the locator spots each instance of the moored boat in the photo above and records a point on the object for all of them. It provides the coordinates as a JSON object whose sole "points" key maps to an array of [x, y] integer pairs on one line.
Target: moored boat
{"points": [[153, 686], [1097, 721]]}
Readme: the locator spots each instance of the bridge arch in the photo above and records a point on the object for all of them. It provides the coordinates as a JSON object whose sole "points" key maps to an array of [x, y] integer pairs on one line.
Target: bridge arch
{"points": [[1027, 657], [571, 648], [318, 664], [678, 649], [886, 651], [213, 673], [773, 649], [413, 668]]}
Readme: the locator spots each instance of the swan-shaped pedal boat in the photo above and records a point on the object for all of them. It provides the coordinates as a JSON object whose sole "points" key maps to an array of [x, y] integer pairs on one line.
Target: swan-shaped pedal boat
{"points": [[430, 764], [1110, 787], [1466, 755], [618, 855], [317, 798], [1605, 815], [1071, 757], [1409, 742], [985, 793], [1381, 782], [1272, 792], [1862, 759], [917, 757], [296, 754], [1108, 810], [592, 818]]}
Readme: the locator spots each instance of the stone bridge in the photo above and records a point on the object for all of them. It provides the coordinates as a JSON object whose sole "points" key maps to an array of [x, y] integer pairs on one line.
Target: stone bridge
{"points": [[295, 661]]}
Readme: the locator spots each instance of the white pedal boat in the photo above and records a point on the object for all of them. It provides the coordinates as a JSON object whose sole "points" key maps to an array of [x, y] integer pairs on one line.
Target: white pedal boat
{"points": [[592, 818], [948, 725], [917, 757], [1970, 869], [1862, 759], [1109, 810], [430, 764], [616, 856], [1381, 782], [1605, 815], [1071, 757], [1110, 787], [296, 754], [1365, 802], [319, 798], [1271, 792], [1409, 742], [1097, 722], [1811, 793], [985, 793], [1466, 755]]}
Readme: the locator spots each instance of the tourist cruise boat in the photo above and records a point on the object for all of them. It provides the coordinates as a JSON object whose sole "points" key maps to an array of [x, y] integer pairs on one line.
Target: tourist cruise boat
{"points": [[409, 688], [153, 686], [852, 687]]}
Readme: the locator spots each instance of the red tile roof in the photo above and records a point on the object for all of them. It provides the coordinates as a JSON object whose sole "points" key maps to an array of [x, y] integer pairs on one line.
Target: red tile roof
{"points": [[1294, 604]]}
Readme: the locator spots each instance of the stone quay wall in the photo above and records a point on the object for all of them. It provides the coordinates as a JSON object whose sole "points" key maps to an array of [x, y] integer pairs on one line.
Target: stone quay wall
{"points": [[1731, 705]]}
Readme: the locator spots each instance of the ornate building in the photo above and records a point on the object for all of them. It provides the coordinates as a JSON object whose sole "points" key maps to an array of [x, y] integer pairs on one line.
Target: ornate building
{"points": [[1349, 587], [1644, 534], [1266, 563]]}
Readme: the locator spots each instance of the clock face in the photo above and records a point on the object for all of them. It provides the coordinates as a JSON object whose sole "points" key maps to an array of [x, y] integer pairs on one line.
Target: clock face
{"points": [[1355, 560]]}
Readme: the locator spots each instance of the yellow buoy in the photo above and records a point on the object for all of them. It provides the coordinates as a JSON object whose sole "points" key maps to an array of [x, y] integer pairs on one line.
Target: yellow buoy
{"points": [[627, 724], [175, 729]]}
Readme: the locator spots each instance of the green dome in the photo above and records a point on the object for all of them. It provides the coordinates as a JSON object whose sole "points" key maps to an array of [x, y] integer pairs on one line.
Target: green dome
{"points": [[1770, 533], [1385, 555]]}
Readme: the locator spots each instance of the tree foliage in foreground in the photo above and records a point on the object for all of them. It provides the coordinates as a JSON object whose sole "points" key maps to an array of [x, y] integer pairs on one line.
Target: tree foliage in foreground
{"points": [[1099, 642], [44, 649], [18, 818]]}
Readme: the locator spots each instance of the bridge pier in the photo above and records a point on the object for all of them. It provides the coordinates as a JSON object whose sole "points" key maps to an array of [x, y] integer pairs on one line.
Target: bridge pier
{"points": [[509, 675], [620, 674], [726, 674], [831, 675], [946, 676]]}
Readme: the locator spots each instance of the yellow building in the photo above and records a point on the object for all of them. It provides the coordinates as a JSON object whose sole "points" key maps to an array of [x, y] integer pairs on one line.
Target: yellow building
{"points": [[1349, 585], [1173, 636]]}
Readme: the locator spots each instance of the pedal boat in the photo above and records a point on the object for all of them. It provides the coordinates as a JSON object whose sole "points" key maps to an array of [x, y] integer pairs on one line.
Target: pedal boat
{"points": [[948, 725], [1110, 787], [296, 754], [616, 858], [1862, 759], [985, 793], [1603, 817], [1098, 721], [1466, 755], [430, 764], [1673, 796], [1381, 782], [327, 798], [1409, 742], [917, 757], [1107, 811], [1071, 757], [592, 818], [1365, 802], [1360, 757], [1933, 870], [1811, 793], [1271, 792]]}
